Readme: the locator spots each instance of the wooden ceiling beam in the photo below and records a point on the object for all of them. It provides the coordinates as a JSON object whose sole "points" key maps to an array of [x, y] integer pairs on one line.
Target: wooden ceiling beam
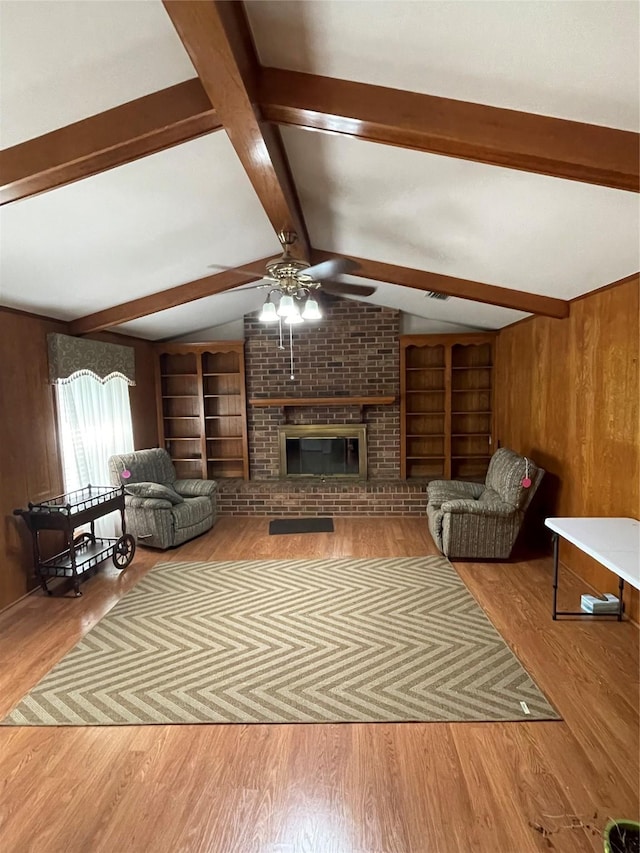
{"points": [[517, 140], [476, 291], [218, 39], [154, 122], [125, 133], [229, 279], [170, 298]]}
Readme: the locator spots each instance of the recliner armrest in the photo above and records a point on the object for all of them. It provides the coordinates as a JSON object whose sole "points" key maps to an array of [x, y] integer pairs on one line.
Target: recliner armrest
{"points": [[498, 509], [463, 488], [195, 488], [146, 503]]}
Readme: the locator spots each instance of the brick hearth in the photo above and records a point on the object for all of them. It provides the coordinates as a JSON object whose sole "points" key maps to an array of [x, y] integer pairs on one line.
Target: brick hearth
{"points": [[300, 498]]}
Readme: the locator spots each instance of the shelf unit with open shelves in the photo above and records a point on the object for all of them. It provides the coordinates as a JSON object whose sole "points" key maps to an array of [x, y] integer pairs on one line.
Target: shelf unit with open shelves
{"points": [[202, 408], [446, 405]]}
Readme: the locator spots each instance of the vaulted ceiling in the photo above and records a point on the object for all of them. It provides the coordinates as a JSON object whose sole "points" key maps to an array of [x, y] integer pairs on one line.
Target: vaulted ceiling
{"points": [[487, 150]]}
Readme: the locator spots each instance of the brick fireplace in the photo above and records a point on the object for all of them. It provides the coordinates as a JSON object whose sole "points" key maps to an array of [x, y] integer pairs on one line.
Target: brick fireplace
{"points": [[352, 352]]}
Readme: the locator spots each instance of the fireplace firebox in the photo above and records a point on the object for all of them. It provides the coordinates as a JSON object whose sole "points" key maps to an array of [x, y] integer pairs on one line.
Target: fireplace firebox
{"points": [[323, 451]]}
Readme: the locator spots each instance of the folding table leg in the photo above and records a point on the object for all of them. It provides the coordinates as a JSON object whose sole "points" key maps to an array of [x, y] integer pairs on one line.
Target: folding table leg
{"points": [[556, 550]]}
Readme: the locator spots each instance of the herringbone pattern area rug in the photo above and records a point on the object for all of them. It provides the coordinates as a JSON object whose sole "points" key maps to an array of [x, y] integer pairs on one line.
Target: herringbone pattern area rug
{"points": [[297, 641]]}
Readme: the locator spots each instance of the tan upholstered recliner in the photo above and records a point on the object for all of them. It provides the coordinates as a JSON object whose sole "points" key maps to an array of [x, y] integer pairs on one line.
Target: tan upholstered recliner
{"points": [[162, 511], [476, 521]]}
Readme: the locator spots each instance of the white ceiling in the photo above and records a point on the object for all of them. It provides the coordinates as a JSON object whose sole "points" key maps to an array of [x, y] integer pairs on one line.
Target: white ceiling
{"points": [[575, 59], [193, 316], [140, 228], [64, 61], [464, 219], [162, 220], [415, 303]]}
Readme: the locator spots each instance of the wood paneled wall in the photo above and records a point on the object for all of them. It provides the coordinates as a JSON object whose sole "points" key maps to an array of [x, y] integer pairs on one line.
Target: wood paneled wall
{"points": [[29, 458], [567, 395]]}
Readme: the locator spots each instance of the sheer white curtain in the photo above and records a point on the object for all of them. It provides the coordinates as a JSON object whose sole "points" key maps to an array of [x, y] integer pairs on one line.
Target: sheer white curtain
{"points": [[95, 423]]}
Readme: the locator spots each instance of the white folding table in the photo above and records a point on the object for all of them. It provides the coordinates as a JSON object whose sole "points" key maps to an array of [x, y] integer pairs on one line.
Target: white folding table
{"points": [[614, 542]]}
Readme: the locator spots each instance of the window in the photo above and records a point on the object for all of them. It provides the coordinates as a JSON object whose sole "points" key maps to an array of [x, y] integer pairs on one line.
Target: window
{"points": [[95, 422]]}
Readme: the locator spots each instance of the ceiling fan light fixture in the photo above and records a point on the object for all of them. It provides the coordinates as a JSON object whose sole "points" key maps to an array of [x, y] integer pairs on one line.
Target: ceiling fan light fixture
{"points": [[268, 313], [311, 310], [294, 319], [292, 283], [287, 306]]}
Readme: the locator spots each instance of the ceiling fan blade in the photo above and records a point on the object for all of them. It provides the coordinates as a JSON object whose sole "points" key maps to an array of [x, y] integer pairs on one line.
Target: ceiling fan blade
{"points": [[263, 283], [329, 269], [343, 289], [240, 270]]}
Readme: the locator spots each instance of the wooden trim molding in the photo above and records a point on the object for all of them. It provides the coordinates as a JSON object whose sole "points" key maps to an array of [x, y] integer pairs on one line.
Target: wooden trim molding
{"points": [[447, 339], [217, 37], [170, 298], [517, 140], [125, 133], [635, 276], [270, 402], [19, 312], [206, 346], [629, 278], [476, 291]]}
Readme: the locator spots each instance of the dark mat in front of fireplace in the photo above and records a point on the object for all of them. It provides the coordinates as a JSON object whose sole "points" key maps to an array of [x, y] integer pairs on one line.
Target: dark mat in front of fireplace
{"points": [[300, 525]]}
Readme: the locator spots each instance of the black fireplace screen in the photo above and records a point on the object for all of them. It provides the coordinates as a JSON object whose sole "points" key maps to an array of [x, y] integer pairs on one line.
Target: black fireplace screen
{"points": [[316, 457]]}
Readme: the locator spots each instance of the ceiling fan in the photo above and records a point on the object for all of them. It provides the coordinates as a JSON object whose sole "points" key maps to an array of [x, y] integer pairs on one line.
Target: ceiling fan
{"points": [[287, 272], [292, 284], [293, 280]]}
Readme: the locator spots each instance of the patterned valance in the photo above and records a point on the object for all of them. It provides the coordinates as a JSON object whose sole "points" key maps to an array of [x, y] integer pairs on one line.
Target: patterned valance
{"points": [[70, 356]]}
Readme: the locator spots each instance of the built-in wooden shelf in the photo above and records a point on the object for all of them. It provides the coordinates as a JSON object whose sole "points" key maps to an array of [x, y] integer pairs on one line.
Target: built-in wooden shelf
{"points": [[201, 396], [454, 373], [426, 456], [266, 402]]}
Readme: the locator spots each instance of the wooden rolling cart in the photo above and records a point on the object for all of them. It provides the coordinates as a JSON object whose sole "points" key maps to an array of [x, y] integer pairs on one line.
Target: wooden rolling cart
{"points": [[67, 513]]}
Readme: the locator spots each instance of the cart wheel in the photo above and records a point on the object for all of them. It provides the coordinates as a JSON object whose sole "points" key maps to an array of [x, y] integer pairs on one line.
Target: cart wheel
{"points": [[123, 551]]}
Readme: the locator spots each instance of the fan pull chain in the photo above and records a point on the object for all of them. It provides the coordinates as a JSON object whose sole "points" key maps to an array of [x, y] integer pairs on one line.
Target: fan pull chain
{"points": [[281, 344], [291, 348]]}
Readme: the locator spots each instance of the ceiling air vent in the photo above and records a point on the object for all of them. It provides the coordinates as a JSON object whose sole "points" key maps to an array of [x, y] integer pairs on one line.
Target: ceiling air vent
{"points": [[435, 294]]}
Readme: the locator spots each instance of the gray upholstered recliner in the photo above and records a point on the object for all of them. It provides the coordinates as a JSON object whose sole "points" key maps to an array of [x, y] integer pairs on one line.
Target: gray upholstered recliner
{"points": [[162, 511], [475, 521]]}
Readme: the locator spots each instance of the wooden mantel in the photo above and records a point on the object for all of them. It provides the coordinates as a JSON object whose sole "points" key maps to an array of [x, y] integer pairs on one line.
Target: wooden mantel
{"points": [[264, 402]]}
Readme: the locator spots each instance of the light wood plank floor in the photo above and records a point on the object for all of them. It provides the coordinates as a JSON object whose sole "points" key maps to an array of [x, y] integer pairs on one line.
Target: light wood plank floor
{"points": [[358, 788]]}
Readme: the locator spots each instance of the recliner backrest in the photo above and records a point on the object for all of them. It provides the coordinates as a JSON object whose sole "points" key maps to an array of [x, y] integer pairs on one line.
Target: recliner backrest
{"points": [[507, 470], [145, 466]]}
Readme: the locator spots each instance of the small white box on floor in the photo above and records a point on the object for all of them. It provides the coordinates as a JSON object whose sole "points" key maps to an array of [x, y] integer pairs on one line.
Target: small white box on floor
{"points": [[593, 604]]}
